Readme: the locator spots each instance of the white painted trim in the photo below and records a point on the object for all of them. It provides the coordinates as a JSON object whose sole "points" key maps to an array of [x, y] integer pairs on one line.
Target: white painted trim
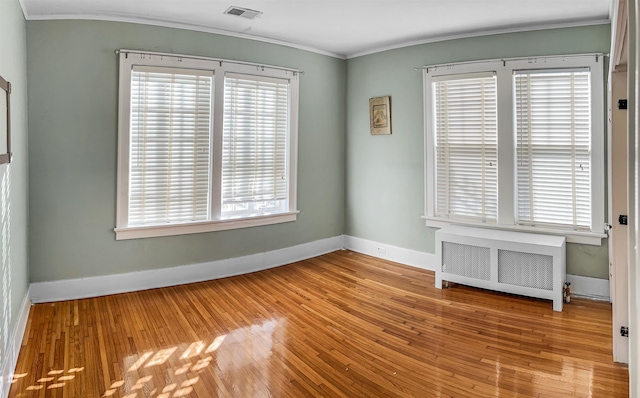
{"points": [[15, 342], [507, 210], [429, 145], [594, 288], [177, 25], [24, 9], [619, 23], [204, 226], [237, 67], [392, 253], [70, 289], [581, 286], [612, 10], [583, 237], [479, 34], [219, 68]]}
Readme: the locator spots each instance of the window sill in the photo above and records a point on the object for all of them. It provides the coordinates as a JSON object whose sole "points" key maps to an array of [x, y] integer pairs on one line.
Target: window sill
{"points": [[583, 237], [149, 231]]}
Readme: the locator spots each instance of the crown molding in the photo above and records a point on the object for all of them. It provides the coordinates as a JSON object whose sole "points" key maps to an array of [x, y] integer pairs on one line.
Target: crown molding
{"points": [[199, 28], [176, 25], [479, 34]]}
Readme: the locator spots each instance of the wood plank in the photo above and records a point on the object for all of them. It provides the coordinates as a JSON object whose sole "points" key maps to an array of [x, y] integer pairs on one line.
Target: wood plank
{"points": [[339, 325]]}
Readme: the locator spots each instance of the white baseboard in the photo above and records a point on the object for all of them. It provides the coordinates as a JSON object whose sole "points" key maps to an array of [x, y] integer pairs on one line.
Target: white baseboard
{"points": [[41, 292], [581, 286], [15, 342], [70, 289], [392, 253], [594, 288]]}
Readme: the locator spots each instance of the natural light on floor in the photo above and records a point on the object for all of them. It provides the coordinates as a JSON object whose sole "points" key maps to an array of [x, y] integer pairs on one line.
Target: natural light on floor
{"points": [[172, 372]]}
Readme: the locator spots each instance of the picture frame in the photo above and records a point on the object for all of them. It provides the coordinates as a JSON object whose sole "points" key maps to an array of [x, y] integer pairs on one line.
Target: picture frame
{"points": [[380, 115], [5, 121]]}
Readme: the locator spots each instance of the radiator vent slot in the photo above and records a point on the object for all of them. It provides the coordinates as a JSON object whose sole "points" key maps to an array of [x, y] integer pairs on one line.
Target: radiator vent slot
{"points": [[525, 269], [466, 260]]}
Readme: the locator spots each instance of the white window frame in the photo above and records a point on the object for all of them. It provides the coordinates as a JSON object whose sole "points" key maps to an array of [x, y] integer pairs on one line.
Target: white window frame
{"points": [[507, 183], [219, 67]]}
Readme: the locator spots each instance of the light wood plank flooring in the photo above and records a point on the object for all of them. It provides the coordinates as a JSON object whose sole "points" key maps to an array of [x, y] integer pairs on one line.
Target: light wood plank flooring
{"points": [[343, 325]]}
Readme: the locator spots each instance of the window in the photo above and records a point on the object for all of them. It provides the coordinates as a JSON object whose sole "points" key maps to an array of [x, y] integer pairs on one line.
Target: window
{"points": [[517, 144], [254, 154], [204, 145], [169, 145], [553, 127], [466, 147]]}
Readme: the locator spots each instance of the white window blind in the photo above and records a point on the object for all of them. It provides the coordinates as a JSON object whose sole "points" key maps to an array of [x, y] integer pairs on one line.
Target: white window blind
{"points": [[254, 153], [466, 147], [204, 145], [553, 117], [169, 145]]}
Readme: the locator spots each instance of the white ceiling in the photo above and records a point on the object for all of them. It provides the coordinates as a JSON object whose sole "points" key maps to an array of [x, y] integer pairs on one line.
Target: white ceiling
{"points": [[343, 28]]}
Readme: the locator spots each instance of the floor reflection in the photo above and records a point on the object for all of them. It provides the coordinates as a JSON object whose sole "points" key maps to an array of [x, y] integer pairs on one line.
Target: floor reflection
{"points": [[175, 370], [318, 328]]}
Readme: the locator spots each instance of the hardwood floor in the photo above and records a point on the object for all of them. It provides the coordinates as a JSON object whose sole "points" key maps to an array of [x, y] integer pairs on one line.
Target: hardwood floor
{"points": [[342, 324]]}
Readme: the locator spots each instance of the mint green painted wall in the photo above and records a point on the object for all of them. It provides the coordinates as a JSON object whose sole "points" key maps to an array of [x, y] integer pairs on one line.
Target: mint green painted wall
{"points": [[73, 74], [384, 174], [13, 195], [349, 181]]}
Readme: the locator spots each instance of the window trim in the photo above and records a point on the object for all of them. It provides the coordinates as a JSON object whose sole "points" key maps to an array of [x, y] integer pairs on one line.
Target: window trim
{"points": [[149, 231], [507, 184], [219, 67]]}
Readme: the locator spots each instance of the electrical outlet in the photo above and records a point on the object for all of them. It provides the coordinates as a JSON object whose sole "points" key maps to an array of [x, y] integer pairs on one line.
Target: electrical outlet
{"points": [[624, 331], [382, 250]]}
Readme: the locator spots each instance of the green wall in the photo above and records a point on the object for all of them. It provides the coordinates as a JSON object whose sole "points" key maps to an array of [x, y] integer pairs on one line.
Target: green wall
{"points": [[384, 174], [13, 177], [73, 75], [349, 181]]}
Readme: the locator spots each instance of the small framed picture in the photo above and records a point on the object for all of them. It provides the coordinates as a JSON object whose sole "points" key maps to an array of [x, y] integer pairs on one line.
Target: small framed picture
{"points": [[380, 115], [5, 122]]}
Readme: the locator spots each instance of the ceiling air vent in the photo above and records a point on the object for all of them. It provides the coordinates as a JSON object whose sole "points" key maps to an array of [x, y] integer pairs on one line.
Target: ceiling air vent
{"points": [[243, 12]]}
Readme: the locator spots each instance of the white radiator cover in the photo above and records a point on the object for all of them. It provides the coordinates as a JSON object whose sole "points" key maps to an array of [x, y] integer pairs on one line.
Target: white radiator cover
{"points": [[531, 265]]}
